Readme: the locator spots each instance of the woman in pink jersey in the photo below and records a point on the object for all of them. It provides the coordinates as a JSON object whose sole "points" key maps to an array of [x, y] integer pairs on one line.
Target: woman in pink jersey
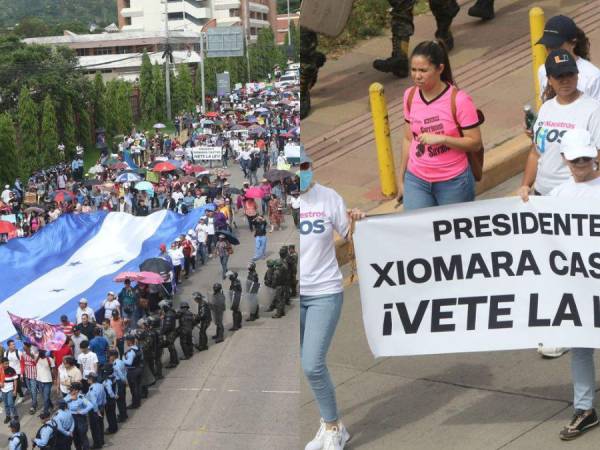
{"points": [[434, 168]]}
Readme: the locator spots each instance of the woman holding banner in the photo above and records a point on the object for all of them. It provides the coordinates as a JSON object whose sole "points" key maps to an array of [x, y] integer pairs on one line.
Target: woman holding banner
{"points": [[579, 153], [443, 125], [322, 211]]}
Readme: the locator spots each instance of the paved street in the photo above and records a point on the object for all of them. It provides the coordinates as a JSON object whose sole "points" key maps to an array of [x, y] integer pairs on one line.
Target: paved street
{"points": [[240, 394]]}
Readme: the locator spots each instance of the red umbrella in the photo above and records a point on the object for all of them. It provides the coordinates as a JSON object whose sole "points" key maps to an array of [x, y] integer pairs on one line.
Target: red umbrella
{"points": [[211, 114], [7, 227], [119, 166], [164, 167], [63, 196], [140, 277], [195, 169], [254, 192]]}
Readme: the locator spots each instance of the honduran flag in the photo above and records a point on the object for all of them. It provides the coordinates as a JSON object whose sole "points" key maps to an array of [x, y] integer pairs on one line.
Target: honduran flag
{"points": [[78, 255]]}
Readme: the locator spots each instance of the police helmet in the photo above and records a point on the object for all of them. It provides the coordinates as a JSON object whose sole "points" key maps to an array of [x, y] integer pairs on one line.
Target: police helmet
{"points": [[165, 304], [252, 266], [184, 305], [141, 323], [197, 296], [130, 337], [283, 251], [217, 287], [75, 386], [270, 263], [232, 275]]}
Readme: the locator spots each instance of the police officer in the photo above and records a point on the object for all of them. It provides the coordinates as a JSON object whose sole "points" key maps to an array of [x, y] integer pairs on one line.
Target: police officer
{"points": [[147, 347], [269, 282], [120, 373], [205, 320], [187, 321], [292, 260], [283, 261], [18, 439], [280, 283], [79, 406], [45, 438], [65, 426], [154, 331], [110, 389], [235, 296], [135, 365], [310, 61], [97, 397], [217, 306], [252, 286], [169, 331]]}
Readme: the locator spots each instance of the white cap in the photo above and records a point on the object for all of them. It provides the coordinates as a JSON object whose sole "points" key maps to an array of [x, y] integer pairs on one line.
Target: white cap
{"points": [[7, 187], [577, 143], [83, 300]]}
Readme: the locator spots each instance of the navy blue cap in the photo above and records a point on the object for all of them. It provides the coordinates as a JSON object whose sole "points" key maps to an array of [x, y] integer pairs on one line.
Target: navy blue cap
{"points": [[557, 30], [560, 62]]}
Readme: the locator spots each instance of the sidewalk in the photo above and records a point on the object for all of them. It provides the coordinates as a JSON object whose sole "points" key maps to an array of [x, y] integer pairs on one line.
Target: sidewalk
{"points": [[491, 61]]}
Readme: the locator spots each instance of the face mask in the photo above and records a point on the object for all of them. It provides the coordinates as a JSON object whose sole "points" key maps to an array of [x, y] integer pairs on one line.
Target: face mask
{"points": [[305, 179]]}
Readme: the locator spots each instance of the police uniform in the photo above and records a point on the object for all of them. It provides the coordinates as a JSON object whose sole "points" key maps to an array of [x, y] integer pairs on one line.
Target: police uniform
{"points": [[169, 331], [158, 348], [135, 366], [292, 261], [79, 408], [218, 308], [120, 373], [281, 283], [310, 61], [110, 409], [269, 282], [235, 296], [97, 397], [252, 287], [205, 319], [187, 321], [147, 347], [65, 425]]}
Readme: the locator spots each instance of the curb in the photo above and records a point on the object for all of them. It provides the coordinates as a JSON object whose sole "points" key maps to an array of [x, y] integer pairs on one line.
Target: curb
{"points": [[501, 163]]}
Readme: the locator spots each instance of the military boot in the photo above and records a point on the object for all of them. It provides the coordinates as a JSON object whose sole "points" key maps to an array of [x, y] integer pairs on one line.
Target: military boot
{"points": [[219, 336], [304, 103], [484, 9], [443, 32], [398, 62]]}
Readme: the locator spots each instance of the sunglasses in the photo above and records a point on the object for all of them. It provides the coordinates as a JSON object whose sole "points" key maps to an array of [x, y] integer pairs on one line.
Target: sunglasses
{"points": [[420, 149], [581, 160]]}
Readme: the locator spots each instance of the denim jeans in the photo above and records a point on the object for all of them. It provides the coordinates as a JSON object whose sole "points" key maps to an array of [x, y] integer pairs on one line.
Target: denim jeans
{"points": [[584, 377], [46, 389], [9, 404], [32, 387], [202, 254], [419, 193], [319, 316], [264, 203], [224, 259], [261, 247]]}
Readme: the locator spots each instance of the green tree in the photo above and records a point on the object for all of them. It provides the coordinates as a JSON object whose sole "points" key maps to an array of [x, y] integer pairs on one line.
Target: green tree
{"points": [[183, 95], [9, 168], [84, 130], [49, 137], [109, 103], [159, 91], [295, 34], [27, 118], [68, 129], [147, 89], [99, 105]]}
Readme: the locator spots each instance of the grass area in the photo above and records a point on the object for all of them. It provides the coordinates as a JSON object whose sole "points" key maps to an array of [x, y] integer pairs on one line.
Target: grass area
{"points": [[368, 18], [90, 156]]}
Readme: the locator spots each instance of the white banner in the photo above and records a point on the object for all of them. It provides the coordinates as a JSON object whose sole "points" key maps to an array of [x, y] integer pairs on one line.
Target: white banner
{"points": [[291, 150], [203, 153], [487, 275]]}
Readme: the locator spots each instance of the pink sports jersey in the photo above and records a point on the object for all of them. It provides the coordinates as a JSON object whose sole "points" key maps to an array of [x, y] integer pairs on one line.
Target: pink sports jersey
{"points": [[438, 162]]}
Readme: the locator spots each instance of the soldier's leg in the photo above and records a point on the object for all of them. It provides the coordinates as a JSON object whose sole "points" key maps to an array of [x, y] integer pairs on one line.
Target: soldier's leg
{"points": [[402, 29], [202, 337], [173, 358], [158, 363], [189, 346], [444, 12], [220, 327], [310, 61], [484, 9]]}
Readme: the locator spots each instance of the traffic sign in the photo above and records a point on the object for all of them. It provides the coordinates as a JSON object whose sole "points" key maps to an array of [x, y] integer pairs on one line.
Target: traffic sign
{"points": [[224, 42]]}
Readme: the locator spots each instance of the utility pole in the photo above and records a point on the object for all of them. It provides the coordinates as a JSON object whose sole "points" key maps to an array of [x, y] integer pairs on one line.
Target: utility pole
{"points": [[290, 52], [167, 62], [202, 35], [246, 32]]}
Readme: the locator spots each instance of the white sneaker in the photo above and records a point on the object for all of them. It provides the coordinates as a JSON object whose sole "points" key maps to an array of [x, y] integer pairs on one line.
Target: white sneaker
{"points": [[19, 400], [318, 441], [333, 439], [551, 352]]}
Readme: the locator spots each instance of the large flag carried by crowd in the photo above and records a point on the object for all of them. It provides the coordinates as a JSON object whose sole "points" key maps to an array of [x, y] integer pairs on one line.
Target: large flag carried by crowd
{"points": [[78, 256]]}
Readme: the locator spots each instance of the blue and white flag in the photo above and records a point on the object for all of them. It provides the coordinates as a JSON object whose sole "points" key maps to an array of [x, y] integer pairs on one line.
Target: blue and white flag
{"points": [[78, 255]]}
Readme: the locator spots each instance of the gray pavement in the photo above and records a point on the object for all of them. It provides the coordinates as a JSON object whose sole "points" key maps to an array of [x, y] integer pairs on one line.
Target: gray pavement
{"points": [[240, 394]]}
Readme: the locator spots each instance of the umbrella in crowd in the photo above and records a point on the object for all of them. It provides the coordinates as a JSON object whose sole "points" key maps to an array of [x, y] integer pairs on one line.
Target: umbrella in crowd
{"points": [[254, 192], [195, 169], [119, 166], [255, 129], [208, 122], [251, 119], [63, 196], [230, 237], [238, 127], [7, 227], [128, 177], [164, 167], [140, 277], [235, 191], [159, 126], [188, 179], [276, 175], [212, 114], [144, 186], [156, 265], [34, 209], [98, 168]]}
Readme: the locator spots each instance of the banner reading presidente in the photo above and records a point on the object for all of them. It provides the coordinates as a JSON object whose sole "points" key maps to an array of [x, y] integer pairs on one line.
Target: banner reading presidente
{"points": [[487, 275]]}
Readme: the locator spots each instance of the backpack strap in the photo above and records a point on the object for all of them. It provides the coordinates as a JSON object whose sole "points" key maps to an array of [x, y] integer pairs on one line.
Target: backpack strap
{"points": [[411, 96], [453, 108]]}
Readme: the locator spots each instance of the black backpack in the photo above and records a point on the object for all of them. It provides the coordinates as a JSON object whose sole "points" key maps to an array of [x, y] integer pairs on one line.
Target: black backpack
{"points": [[22, 440], [52, 441]]}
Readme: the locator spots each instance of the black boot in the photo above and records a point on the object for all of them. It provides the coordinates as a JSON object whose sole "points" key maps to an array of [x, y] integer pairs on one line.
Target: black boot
{"points": [[483, 9], [398, 62], [304, 103], [443, 32]]}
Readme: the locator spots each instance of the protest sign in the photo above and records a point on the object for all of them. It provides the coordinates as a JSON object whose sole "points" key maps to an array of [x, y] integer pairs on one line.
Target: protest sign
{"points": [[486, 275], [204, 153], [292, 152]]}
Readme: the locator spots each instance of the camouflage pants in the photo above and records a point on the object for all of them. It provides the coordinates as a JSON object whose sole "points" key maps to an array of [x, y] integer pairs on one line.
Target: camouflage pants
{"points": [[310, 59], [402, 16]]}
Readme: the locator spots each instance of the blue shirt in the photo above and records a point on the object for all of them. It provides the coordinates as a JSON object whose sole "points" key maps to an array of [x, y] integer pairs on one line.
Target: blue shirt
{"points": [[130, 355], [45, 434], [119, 370], [13, 442], [108, 386], [96, 396], [64, 422], [80, 405], [99, 345]]}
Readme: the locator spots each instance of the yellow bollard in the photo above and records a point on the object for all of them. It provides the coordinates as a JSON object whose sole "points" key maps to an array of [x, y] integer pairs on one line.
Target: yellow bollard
{"points": [[538, 52], [381, 128]]}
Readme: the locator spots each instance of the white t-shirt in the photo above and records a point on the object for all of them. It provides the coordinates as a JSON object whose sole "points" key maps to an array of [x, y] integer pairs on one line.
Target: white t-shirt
{"points": [[76, 341], [202, 232], [571, 189], [210, 223], [89, 311], [322, 211], [588, 81], [552, 122], [109, 307], [14, 361], [44, 369], [87, 363], [176, 255]]}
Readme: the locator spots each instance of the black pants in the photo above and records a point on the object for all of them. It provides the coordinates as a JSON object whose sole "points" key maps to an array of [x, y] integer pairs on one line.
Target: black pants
{"points": [[210, 243], [97, 428], [187, 346], [202, 337], [110, 411], [121, 404], [178, 274], [63, 442], [134, 379], [80, 438], [85, 386], [158, 363]]}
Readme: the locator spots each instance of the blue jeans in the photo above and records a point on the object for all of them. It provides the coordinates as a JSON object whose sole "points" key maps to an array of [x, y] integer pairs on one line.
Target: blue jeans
{"points": [[319, 316], [32, 387], [261, 247], [419, 193], [45, 389], [202, 254], [9, 404], [584, 377], [224, 259]]}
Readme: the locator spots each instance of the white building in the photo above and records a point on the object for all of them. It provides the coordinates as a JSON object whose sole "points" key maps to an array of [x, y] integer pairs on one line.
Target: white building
{"points": [[193, 15]]}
